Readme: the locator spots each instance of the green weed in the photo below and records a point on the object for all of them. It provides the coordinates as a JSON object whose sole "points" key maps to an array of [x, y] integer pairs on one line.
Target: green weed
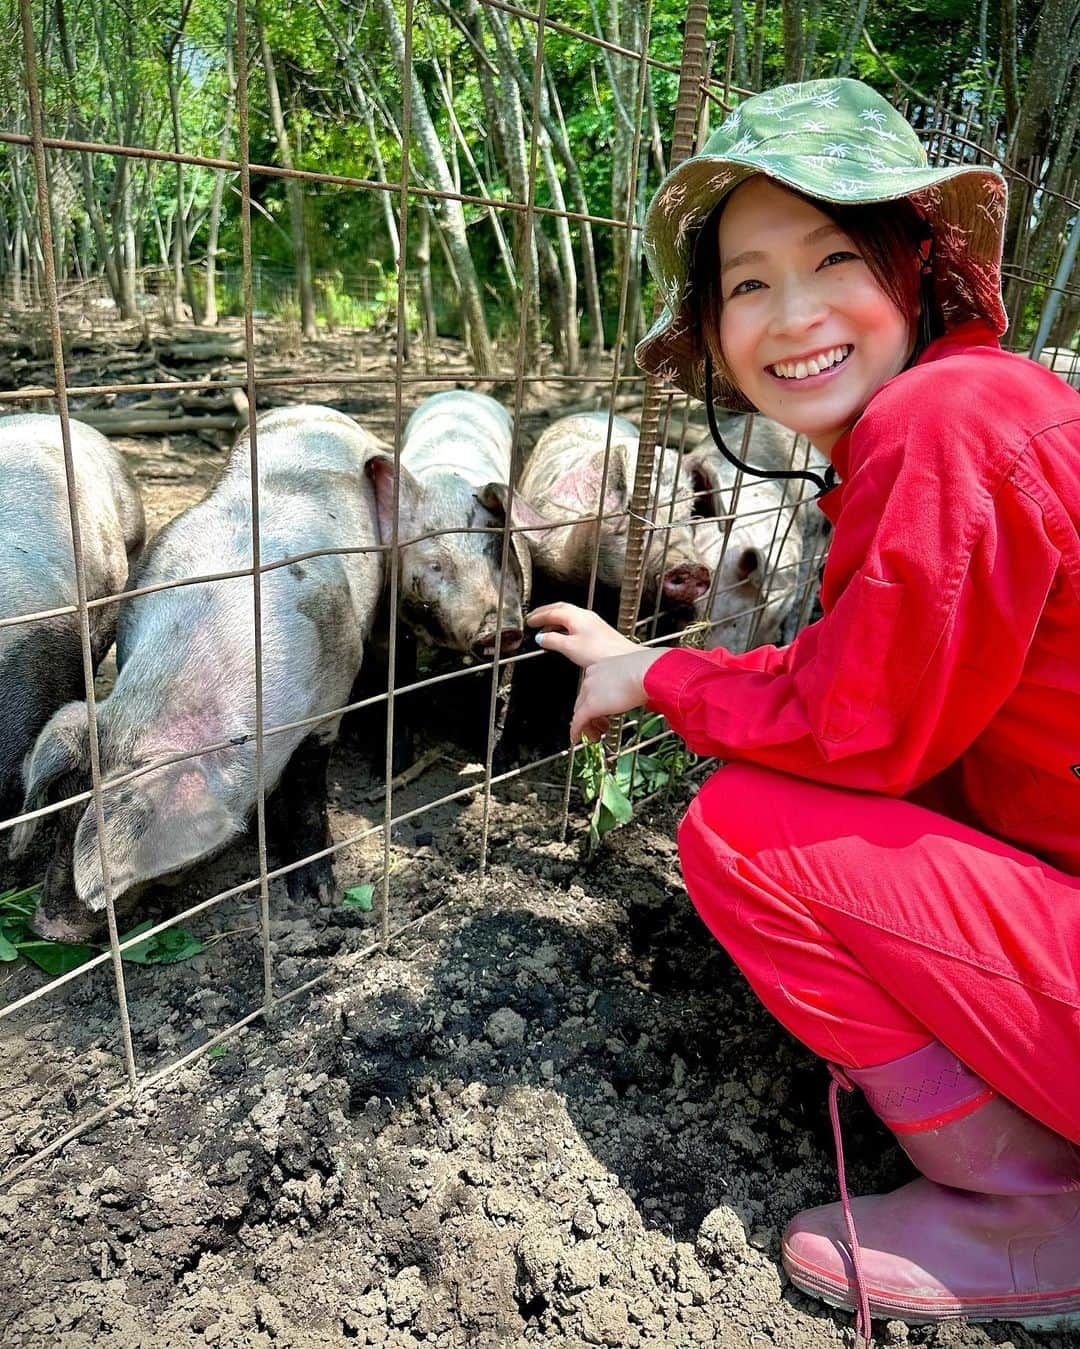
{"points": [[17, 939], [637, 774]]}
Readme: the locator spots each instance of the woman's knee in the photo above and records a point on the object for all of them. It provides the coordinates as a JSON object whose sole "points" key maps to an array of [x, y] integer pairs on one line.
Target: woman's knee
{"points": [[743, 807]]}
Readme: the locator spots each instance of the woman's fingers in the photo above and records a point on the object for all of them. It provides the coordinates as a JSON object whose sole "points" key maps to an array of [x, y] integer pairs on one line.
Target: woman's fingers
{"points": [[562, 642], [557, 615], [592, 728]]}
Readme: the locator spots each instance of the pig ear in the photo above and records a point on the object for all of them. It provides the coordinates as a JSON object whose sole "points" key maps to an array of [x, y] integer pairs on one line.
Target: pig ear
{"points": [[745, 566], [380, 469], [62, 747], [494, 496], [706, 484], [153, 826], [750, 565]]}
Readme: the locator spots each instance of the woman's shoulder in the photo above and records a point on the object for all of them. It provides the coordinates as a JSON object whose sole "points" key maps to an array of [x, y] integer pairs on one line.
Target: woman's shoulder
{"points": [[970, 405], [980, 388]]}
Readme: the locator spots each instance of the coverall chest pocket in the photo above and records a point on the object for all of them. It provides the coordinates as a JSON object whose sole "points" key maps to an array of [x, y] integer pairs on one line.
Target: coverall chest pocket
{"points": [[855, 655]]}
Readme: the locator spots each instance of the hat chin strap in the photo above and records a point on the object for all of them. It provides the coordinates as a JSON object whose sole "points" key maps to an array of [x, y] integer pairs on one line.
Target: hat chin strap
{"points": [[823, 484]]}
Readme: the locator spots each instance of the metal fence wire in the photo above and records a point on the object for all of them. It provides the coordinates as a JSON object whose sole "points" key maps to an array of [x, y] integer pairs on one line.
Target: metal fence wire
{"points": [[668, 424]]}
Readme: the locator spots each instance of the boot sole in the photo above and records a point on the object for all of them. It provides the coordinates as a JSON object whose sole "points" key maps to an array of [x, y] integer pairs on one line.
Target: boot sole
{"points": [[1059, 1312]]}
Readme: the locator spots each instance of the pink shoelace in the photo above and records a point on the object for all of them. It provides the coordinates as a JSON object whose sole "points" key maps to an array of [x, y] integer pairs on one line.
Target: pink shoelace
{"points": [[862, 1309]]}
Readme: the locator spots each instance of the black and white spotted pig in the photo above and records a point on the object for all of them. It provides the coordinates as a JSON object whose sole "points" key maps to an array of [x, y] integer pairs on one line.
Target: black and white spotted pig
{"points": [[186, 661], [41, 663]]}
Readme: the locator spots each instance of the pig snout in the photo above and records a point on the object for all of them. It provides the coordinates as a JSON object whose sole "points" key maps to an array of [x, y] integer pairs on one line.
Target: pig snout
{"points": [[686, 583], [506, 641], [58, 925]]}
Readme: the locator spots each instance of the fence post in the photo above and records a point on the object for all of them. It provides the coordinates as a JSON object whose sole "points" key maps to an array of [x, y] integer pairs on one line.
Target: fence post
{"points": [[691, 74]]}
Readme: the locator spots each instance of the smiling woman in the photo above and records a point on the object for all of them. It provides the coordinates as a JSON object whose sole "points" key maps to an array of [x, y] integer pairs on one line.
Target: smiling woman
{"points": [[825, 288], [890, 855]]}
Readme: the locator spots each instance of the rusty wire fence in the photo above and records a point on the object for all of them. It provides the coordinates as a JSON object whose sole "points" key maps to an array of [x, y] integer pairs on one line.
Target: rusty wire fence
{"points": [[668, 426]]}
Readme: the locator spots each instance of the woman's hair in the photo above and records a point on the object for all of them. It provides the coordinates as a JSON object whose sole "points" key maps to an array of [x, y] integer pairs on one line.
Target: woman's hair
{"points": [[887, 234]]}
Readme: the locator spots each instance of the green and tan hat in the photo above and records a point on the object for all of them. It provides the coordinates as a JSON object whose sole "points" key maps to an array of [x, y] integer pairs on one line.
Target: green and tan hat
{"points": [[837, 141]]}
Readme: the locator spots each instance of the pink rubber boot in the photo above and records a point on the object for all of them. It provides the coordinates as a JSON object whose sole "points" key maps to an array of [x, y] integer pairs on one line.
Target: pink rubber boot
{"points": [[991, 1233]]}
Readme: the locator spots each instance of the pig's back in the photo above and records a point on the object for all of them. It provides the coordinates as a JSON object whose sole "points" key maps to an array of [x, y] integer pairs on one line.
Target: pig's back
{"points": [[559, 467], [37, 565], [313, 494], [461, 432]]}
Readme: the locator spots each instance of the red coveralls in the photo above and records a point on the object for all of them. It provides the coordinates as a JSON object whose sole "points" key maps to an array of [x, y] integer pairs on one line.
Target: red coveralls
{"points": [[945, 672]]}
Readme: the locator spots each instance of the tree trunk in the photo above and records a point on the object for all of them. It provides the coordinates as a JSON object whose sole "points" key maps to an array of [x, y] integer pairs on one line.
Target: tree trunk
{"points": [[568, 273], [210, 315], [738, 32], [1045, 107], [551, 119], [454, 217], [758, 59], [843, 64], [389, 218], [1010, 83], [511, 122], [183, 254], [293, 188], [794, 44], [428, 327]]}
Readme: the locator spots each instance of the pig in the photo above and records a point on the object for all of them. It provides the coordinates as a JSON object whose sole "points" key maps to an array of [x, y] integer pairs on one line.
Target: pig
{"points": [[41, 663], [1063, 362], [561, 482], [759, 541], [455, 471], [186, 672]]}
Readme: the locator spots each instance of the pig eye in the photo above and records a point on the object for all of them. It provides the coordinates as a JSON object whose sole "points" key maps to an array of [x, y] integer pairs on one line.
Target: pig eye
{"points": [[435, 567]]}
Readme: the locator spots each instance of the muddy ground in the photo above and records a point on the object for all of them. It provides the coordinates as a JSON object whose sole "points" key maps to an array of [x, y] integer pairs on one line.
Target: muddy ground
{"points": [[550, 1112]]}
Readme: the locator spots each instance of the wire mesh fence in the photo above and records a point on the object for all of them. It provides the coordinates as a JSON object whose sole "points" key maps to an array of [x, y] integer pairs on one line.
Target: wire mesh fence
{"points": [[655, 514]]}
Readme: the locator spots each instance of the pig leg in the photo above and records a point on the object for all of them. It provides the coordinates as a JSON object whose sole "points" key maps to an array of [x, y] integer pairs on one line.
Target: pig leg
{"points": [[299, 823]]}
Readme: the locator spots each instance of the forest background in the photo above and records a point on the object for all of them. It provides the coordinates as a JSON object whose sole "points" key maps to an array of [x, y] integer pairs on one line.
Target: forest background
{"points": [[325, 94]]}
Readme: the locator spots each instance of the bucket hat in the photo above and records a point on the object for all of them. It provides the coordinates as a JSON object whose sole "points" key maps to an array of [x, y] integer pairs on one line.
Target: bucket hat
{"points": [[838, 141]]}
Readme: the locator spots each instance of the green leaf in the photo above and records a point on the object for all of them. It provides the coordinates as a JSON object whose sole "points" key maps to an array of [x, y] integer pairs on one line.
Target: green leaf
{"points": [[165, 948], [8, 950], [359, 897], [21, 903], [56, 957], [615, 801], [217, 1051]]}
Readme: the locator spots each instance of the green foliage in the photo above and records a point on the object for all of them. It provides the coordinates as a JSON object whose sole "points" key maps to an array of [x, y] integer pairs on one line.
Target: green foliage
{"points": [[341, 93], [164, 948], [638, 774], [56, 957], [18, 939], [359, 897]]}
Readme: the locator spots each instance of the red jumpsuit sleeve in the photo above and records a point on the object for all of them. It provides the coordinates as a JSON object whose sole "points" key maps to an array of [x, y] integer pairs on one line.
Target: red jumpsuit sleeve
{"points": [[933, 589]]}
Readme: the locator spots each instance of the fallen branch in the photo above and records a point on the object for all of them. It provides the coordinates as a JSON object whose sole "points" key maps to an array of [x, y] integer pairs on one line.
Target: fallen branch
{"points": [[124, 422], [410, 774]]}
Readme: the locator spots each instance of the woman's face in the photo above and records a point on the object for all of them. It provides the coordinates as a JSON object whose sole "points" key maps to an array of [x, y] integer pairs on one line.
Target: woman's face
{"points": [[795, 291]]}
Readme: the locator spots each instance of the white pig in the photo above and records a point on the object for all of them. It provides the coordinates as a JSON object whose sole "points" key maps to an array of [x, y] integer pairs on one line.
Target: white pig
{"points": [[562, 481], [455, 471]]}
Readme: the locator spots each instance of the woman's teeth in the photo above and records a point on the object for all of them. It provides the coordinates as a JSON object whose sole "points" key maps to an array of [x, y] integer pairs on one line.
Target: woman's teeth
{"points": [[814, 366]]}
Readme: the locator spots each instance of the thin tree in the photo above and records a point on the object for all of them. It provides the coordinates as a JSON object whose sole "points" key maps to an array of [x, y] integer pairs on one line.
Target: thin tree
{"points": [[453, 216], [294, 191]]}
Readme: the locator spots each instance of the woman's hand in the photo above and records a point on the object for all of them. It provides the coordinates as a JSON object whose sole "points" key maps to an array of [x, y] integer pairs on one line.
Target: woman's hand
{"points": [[610, 688], [584, 637], [614, 666]]}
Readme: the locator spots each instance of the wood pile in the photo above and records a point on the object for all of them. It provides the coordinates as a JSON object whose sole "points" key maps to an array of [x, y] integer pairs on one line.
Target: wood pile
{"points": [[132, 354]]}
